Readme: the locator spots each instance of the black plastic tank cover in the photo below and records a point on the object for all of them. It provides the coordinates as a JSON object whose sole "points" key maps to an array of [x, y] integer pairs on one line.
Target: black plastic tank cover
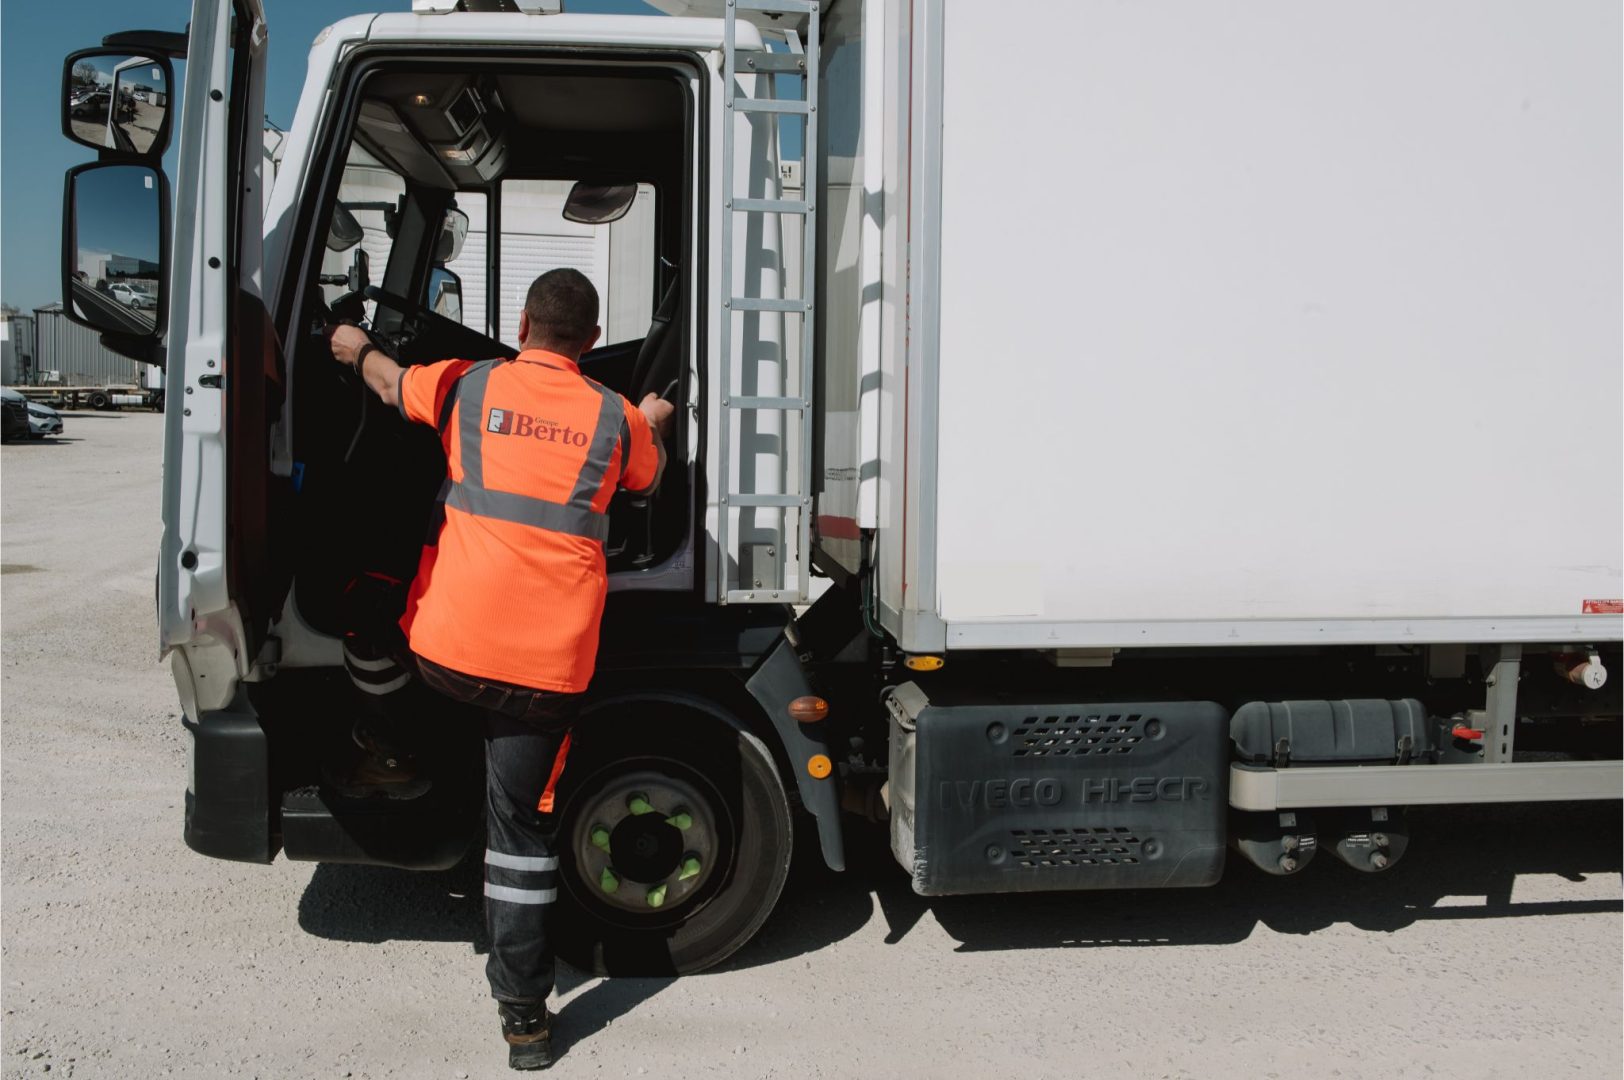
{"points": [[1025, 797]]}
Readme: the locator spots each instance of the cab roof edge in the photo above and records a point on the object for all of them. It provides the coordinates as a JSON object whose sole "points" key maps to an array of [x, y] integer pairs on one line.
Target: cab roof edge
{"points": [[526, 7]]}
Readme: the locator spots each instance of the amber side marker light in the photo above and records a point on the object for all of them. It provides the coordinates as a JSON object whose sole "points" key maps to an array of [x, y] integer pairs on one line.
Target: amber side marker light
{"points": [[819, 766], [923, 663], [808, 710]]}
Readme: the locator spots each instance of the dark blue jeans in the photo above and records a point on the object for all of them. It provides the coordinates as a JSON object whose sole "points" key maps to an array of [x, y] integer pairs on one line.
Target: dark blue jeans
{"points": [[525, 730]]}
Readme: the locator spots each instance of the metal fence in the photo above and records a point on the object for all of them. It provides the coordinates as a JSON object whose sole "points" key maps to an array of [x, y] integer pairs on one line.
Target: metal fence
{"points": [[75, 354]]}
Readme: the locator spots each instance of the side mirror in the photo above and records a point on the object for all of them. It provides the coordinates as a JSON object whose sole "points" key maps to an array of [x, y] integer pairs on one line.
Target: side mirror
{"points": [[344, 232], [598, 204], [360, 274], [115, 236], [453, 231], [445, 294], [113, 100]]}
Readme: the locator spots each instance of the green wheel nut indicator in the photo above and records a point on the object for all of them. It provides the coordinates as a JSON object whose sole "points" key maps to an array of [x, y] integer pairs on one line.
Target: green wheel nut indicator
{"points": [[638, 804], [607, 880], [656, 896], [690, 868], [681, 819], [600, 837]]}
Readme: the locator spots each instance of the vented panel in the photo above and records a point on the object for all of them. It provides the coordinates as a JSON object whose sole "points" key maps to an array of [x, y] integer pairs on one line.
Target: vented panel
{"points": [[1082, 846], [1081, 733]]}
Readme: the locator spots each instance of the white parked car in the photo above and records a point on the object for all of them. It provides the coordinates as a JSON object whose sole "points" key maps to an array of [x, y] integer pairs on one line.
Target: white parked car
{"points": [[131, 296], [43, 420]]}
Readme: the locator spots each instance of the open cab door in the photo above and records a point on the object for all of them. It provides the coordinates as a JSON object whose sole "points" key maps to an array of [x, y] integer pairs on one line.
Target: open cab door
{"points": [[222, 368]]}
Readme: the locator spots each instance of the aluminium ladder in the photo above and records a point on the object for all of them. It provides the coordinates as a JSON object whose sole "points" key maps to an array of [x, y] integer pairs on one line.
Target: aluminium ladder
{"points": [[789, 490]]}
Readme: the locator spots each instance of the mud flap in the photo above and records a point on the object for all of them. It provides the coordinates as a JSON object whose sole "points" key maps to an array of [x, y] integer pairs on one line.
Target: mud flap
{"points": [[228, 793]]}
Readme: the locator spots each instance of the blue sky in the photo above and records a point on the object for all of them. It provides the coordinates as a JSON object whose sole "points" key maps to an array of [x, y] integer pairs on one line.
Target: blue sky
{"points": [[34, 39]]}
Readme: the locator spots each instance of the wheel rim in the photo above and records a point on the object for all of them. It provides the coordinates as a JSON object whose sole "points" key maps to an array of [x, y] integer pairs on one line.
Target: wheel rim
{"points": [[649, 843]]}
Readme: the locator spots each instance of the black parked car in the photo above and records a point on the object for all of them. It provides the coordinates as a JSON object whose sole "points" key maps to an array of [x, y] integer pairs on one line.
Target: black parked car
{"points": [[14, 410]]}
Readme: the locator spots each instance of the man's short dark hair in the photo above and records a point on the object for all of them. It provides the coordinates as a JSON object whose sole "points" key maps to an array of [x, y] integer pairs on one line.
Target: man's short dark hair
{"points": [[563, 307]]}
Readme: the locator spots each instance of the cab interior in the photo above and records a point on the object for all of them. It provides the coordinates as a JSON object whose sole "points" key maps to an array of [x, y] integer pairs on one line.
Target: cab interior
{"points": [[445, 192]]}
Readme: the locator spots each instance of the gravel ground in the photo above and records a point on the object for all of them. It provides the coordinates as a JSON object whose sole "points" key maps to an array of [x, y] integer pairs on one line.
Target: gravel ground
{"points": [[1492, 950]]}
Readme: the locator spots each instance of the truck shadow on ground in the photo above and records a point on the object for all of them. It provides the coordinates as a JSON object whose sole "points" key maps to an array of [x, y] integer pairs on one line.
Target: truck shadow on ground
{"points": [[1462, 863]]}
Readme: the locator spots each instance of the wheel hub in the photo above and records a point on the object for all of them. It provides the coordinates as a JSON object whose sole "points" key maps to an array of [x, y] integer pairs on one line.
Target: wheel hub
{"points": [[646, 841]]}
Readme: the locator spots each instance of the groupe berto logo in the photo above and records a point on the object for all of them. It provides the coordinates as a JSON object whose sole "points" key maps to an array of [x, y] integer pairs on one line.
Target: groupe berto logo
{"points": [[508, 422]]}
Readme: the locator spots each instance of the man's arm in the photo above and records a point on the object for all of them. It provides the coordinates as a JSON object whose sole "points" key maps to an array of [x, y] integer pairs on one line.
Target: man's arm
{"points": [[381, 373], [660, 415]]}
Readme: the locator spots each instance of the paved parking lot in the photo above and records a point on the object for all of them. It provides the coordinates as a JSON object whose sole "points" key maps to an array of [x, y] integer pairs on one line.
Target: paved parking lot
{"points": [[1492, 950]]}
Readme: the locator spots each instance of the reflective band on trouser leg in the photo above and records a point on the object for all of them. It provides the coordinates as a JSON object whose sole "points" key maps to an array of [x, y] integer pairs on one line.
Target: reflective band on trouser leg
{"points": [[521, 879], [545, 805], [520, 896], [526, 510], [611, 419], [520, 862]]}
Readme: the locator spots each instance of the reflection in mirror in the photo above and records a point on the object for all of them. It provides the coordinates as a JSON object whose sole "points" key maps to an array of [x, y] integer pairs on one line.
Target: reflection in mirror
{"points": [[598, 204], [445, 294], [453, 231], [117, 102], [115, 280]]}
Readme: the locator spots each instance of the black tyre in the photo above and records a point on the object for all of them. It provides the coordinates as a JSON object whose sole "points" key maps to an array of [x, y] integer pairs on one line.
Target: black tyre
{"points": [[100, 400], [674, 841]]}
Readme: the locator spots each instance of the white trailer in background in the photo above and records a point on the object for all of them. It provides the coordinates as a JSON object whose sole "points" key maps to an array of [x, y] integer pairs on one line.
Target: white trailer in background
{"points": [[1207, 420]]}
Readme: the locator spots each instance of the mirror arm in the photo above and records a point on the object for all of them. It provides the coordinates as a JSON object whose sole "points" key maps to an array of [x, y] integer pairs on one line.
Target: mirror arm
{"points": [[164, 42], [138, 347]]}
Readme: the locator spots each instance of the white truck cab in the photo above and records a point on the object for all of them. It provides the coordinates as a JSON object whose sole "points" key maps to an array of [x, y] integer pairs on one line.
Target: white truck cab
{"points": [[1143, 485]]}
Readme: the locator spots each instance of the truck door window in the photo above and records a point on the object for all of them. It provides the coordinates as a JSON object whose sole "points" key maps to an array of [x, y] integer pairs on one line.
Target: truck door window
{"points": [[618, 257], [368, 195]]}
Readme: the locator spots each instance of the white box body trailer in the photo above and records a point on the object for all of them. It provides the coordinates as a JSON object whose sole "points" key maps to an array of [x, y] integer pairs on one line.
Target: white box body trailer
{"points": [[1241, 325], [1198, 427]]}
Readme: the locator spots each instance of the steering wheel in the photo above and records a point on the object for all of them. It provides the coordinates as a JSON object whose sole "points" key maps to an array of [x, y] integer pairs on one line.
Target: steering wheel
{"points": [[427, 335]]}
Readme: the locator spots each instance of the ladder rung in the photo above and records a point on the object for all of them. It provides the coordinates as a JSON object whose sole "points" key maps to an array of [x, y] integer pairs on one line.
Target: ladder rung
{"points": [[765, 403], [764, 500], [780, 7], [773, 206], [770, 105], [758, 303], [793, 63]]}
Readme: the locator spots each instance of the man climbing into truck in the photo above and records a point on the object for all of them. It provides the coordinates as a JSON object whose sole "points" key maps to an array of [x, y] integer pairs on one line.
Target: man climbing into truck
{"points": [[509, 594]]}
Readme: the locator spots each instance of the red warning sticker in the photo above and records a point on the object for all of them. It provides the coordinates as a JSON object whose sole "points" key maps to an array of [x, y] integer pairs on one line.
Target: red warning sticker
{"points": [[1604, 607]]}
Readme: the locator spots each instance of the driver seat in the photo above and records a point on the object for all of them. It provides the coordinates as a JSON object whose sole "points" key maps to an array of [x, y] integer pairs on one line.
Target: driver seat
{"points": [[658, 354], [654, 371]]}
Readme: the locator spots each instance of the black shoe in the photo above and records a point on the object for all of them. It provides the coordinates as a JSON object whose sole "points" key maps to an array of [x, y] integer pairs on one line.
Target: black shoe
{"points": [[528, 1030], [383, 769]]}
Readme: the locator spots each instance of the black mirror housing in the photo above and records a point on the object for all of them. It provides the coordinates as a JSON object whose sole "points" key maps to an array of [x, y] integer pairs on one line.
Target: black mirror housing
{"points": [[115, 249], [598, 204], [119, 101]]}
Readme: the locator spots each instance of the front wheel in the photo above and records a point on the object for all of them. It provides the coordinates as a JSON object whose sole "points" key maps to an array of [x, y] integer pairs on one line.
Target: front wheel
{"points": [[674, 841]]}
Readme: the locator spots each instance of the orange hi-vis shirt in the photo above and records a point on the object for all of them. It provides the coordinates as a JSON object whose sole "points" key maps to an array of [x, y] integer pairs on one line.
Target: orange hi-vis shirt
{"points": [[513, 587]]}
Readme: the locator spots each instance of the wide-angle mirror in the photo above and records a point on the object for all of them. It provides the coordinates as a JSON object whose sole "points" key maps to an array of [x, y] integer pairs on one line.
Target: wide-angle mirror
{"points": [[598, 204], [445, 294], [453, 231], [117, 101], [113, 248]]}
